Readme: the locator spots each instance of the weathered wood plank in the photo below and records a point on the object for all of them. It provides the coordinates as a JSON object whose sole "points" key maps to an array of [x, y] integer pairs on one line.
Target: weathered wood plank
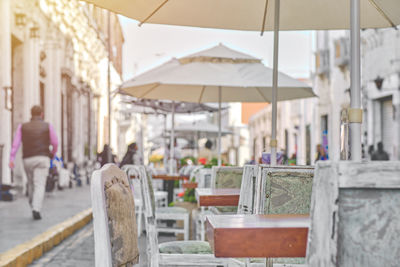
{"points": [[321, 249], [355, 220], [248, 190], [114, 223], [369, 175]]}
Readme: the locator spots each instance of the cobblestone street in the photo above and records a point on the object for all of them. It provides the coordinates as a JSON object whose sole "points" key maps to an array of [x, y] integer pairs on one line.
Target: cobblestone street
{"points": [[78, 250]]}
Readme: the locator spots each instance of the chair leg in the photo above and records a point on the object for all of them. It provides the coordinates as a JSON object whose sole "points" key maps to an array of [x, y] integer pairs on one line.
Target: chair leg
{"points": [[202, 228], [186, 227], [139, 221]]}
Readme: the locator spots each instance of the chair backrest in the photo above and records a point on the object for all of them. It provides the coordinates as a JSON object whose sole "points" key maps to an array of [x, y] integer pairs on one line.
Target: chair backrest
{"points": [[114, 220], [203, 177], [355, 214], [284, 189], [248, 190], [132, 170], [226, 177], [149, 203]]}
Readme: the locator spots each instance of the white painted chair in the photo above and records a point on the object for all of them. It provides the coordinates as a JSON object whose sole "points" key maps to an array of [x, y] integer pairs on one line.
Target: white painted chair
{"points": [[164, 213], [114, 220], [203, 179], [355, 214], [275, 190], [221, 177], [191, 253], [133, 175]]}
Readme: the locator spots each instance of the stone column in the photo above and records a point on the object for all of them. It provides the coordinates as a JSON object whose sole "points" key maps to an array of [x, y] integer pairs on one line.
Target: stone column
{"points": [[31, 92], [5, 82], [52, 49]]}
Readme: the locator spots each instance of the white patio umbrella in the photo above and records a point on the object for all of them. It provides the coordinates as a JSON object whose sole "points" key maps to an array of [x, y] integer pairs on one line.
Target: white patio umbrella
{"points": [[266, 15], [150, 106], [249, 15], [218, 74]]}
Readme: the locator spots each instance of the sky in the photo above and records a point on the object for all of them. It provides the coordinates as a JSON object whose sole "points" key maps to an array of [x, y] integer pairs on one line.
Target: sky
{"points": [[150, 45]]}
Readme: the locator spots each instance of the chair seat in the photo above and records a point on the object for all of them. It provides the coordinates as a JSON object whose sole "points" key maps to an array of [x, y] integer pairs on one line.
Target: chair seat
{"points": [[225, 210], [185, 247], [160, 194], [171, 210]]}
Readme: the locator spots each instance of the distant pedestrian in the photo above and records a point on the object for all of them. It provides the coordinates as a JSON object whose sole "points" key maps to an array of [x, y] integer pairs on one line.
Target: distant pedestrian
{"points": [[371, 151], [105, 156], [321, 153], [36, 137], [130, 156], [380, 154], [206, 151]]}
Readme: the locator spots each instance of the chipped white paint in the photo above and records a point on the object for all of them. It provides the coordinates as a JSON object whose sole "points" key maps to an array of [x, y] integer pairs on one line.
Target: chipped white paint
{"points": [[156, 258], [103, 249], [131, 170], [354, 221]]}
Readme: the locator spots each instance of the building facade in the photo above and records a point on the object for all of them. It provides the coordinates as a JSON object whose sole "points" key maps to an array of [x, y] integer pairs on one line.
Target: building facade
{"points": [[55, 54], [381, 89], [303, 124]]}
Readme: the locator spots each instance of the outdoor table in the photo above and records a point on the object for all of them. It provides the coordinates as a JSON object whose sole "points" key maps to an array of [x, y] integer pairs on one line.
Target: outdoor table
{"points": [[217, 196], [169, 182], [260, 236]]}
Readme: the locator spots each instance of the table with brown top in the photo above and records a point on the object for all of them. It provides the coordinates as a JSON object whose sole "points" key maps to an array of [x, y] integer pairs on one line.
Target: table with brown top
{"points": [[166, 177], [217, 196], [259, 236], [169, 182]]}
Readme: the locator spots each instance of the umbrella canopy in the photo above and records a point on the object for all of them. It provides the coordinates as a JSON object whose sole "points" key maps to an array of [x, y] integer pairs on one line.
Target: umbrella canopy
{"points": [[162, 107], [205, 129], [256, 15], [218, 74], [259, 15], [197, 78]]}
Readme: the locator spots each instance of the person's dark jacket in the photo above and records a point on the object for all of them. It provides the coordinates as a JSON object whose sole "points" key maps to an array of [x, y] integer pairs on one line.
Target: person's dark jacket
{"points": [[35, 138], [128, 158]]}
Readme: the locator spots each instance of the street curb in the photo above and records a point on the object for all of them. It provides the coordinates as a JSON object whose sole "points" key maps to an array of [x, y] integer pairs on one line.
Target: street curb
{"points": [[27, 252]]}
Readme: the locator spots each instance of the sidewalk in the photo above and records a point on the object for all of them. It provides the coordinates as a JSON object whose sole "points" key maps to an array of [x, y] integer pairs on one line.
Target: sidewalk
{"points": [[17, 225]]}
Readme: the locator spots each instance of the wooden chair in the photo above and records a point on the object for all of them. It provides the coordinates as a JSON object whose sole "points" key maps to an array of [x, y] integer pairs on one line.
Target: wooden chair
{"points": [[114, 220], [133, 177], [167, 213], [203, 179], [355, 214], [221, 177], [226, 177], [276, 190], [192, 253], [284, 190]]}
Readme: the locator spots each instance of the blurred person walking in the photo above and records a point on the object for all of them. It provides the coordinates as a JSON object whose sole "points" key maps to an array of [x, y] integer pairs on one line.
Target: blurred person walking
{"points": [[130, 156], [104, 156], [36, 137], [380, 154]]}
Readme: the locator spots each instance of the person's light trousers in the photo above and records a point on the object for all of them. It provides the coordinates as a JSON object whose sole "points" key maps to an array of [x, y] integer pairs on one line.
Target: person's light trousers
{"points": [[37, 169]]}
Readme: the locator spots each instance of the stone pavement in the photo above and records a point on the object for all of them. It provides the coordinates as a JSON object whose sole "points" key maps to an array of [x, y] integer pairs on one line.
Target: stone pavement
{"points": [[78, 250], [17, 225]]}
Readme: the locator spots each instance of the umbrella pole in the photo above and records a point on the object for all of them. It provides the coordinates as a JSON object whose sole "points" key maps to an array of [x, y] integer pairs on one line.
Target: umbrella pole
{"points": [[274, 142], [172, 141], [166, 162], [219, 124], [355, 111]]}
